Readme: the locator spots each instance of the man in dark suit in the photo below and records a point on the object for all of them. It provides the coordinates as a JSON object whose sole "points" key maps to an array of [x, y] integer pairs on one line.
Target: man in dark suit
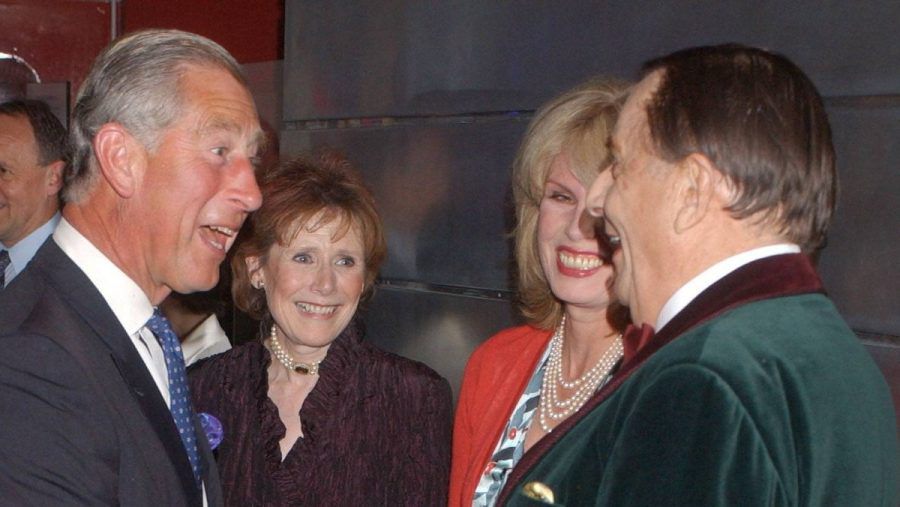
{"points": [[32, 157], [753, 391], [94, 408]]}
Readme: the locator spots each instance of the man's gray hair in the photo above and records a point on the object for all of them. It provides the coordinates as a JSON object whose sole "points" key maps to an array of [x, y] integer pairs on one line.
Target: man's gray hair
{"points": [[136, 82]]}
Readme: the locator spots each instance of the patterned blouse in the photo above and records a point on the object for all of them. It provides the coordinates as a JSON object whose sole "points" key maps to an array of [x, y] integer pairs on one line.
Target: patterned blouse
{"points": [[511, 446]]}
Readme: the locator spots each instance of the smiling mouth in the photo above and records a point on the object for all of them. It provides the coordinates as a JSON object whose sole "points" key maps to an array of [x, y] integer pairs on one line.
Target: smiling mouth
{"points": [[220, 236], [317, 309], [580, 262]]}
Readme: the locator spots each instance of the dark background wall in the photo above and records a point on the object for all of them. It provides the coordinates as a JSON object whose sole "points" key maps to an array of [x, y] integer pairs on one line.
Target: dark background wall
{"points": [[430, 99]]}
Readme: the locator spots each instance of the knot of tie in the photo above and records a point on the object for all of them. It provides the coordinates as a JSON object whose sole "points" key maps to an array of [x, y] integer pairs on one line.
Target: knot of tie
{"points": [[179, 394]]}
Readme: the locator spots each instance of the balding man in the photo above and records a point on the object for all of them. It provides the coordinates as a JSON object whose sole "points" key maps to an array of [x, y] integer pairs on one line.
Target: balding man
{"points": [[32, 157], [94, 406], [753, 391]]}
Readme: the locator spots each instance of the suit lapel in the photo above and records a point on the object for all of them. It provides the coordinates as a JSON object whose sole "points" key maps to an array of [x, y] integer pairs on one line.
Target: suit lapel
{"points": [[78, 291]]}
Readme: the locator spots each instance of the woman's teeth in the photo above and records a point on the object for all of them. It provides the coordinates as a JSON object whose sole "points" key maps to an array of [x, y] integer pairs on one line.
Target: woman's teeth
{"points": [[580, 262], [321, 310]]}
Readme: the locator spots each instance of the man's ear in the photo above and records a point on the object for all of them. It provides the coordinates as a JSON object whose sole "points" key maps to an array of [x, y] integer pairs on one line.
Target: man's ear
{"points": [[699, 188], [54, 178], [120, 158]]}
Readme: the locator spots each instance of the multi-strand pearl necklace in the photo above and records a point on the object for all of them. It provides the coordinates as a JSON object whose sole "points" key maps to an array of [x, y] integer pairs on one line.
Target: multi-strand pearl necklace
{"points": [[288, 361], [552, 405]]}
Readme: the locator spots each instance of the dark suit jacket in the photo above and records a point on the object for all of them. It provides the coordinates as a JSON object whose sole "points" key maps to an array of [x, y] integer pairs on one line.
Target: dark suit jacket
{"points": [[81, 419], [757, 393]]}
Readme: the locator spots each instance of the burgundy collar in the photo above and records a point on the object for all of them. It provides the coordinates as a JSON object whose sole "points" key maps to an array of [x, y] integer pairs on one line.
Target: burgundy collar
{"points": [[767, 278]]}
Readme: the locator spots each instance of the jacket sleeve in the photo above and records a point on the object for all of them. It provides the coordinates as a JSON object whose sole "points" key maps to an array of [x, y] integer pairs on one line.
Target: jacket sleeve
{"points": [[54, 447], [432, 445], [463, 433], [689, 440]]}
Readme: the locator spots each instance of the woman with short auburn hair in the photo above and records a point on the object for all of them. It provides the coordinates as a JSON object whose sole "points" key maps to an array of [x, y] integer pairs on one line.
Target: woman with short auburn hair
{"points": [[312, 413]]}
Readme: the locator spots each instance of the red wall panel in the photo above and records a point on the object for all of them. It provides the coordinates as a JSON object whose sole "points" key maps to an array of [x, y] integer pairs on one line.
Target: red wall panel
{"points": [[251, 30], [59, 38]]}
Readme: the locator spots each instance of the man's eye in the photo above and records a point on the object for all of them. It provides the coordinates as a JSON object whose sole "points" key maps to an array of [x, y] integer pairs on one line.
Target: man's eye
{"points": [[220, 151]]}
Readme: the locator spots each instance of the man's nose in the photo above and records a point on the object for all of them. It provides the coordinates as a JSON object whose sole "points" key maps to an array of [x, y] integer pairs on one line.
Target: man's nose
{"points": [[596, 195], [245, 190]]}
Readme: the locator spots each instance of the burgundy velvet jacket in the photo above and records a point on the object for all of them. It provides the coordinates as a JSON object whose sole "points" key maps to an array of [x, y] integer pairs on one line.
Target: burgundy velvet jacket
{"points": [[377, 429]]}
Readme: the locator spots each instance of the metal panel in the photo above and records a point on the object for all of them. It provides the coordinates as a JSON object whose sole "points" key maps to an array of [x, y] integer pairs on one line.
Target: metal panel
{"points": [[423, 83], [859, 265], [361, 59], [438, 329], [443, 191]]}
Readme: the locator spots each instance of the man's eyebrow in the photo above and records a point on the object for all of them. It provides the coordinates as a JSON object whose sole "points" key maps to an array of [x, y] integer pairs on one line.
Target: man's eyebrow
{"points": [[260, 140], [218, 123]]}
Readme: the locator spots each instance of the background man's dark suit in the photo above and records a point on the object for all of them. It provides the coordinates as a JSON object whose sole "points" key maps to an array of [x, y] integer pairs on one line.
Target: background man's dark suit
{"points": [[72, 383]]}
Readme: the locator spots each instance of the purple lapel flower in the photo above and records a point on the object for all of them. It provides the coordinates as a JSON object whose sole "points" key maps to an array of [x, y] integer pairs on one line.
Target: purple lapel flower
{"points": [[213, 429]]}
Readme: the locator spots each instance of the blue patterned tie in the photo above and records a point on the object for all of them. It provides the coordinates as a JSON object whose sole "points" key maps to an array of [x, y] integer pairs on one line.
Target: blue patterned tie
{"points": [[4, 261], [182, 411]]}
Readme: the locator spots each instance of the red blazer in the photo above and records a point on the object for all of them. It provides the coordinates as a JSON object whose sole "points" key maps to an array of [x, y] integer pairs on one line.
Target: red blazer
{"points": [[495, 377]]}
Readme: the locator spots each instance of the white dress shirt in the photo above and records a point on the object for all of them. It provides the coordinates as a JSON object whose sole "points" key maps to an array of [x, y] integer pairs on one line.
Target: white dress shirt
{"points": [[127, 301], [689, 291], [22, 252]]}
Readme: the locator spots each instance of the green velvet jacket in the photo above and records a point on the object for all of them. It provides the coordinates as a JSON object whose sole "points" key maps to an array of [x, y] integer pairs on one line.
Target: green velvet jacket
{"points": [[758, 395]]}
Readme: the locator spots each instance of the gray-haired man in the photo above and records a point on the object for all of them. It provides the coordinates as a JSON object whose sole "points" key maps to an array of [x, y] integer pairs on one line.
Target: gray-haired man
{"points": [[164, 136]]}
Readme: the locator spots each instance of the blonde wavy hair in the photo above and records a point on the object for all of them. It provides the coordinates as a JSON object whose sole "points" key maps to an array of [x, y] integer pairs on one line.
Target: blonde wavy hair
{"points": [[577, 123]]}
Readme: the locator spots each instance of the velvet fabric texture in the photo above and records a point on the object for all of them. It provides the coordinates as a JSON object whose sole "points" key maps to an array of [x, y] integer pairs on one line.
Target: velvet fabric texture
{"points": [[756, 394], [376, 429], [494, 379]]}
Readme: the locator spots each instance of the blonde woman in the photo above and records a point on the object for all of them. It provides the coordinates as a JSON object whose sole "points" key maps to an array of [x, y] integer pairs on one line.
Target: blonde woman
{"points": [[524, 381]]}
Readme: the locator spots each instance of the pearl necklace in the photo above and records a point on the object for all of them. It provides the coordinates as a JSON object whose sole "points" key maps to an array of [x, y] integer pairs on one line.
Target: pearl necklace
{"points": [[288, 361], [551, 404]]}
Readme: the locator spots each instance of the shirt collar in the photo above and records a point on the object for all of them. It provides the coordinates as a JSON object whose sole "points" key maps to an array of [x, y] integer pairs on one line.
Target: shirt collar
{"points": [[683, 296], [22, 252], [126, 300]]}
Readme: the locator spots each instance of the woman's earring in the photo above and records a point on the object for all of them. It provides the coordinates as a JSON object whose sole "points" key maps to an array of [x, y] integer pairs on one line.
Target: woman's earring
{"points": [[259, 284]]}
